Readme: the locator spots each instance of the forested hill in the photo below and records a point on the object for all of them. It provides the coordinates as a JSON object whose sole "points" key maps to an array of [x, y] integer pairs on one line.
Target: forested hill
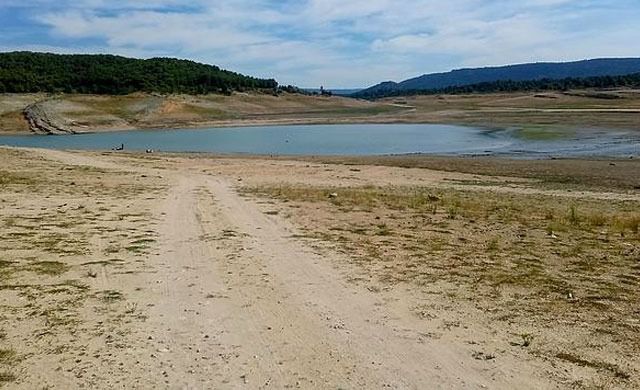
{"points": [[601, 82], [22, 72], [512, 73]]}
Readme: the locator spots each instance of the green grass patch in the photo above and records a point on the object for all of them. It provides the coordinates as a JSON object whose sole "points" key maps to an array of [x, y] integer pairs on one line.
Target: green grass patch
{"points": [[543, 133]]}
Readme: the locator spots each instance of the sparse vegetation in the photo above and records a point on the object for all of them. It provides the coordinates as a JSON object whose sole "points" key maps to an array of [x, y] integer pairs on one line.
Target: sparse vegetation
{"points": [[53, 234], [10, 178], [570, 357], [537, 272], [472, 204], [572, 216], [562, 174], [6, 376], [527, 339], [7, 356], [110, 296], [522, 258], [51, 268]]}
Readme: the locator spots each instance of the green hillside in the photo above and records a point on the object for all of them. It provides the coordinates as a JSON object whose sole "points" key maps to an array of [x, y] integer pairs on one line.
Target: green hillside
{"points": [[601, 82], [22, 72], [520, 77]]}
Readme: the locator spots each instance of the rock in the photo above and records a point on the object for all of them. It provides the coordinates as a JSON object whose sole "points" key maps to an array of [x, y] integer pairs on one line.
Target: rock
{"points": [[333, 195], [41, 123]]}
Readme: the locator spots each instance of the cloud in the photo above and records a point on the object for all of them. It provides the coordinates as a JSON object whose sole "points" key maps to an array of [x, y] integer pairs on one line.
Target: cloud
{"points": [[332, 42]]}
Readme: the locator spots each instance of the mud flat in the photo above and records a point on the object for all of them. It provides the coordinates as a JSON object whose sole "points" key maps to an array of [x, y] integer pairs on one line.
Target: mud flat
{"points": [[172, 271]]}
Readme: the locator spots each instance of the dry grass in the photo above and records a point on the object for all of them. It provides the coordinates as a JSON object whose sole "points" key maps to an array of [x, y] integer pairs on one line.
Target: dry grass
{"points": [[608, 175], [61, 227], [614, 369], [523, 260], [50, 268], [7, 356], [6, 376], [486, 205], [531, 111], [13, 179]]}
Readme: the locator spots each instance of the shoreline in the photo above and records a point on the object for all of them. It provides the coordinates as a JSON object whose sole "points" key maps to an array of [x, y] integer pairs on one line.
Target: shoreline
{"points": [[595, 172], [552, 145], [247, 124], [318, 122], [106, 113]]}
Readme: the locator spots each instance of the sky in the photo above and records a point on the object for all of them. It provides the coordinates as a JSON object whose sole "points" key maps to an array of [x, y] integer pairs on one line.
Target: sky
{"points": [[334, 43]]}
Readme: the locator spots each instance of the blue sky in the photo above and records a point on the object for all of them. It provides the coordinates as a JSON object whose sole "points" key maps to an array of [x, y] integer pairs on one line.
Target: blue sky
{"points": [[335, 43]]}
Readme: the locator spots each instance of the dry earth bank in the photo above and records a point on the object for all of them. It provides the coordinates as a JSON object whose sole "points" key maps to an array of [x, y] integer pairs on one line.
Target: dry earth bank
{"points": [[87, 113], [534, 113]]}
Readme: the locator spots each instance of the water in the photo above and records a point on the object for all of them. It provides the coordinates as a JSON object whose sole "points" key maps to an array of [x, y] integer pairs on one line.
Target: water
{"points": [[348, 140]]}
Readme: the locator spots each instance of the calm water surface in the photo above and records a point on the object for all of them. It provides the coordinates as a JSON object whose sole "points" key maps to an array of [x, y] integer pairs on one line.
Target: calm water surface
{"points": [[347, 140]]}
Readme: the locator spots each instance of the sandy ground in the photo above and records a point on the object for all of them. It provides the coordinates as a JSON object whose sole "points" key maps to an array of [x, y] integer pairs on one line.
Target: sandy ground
{"points": [[153, 271]]}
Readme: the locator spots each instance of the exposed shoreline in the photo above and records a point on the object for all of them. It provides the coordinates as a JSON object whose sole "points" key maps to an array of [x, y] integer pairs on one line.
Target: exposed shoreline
{"points": [[101, 113], [609, 173], [237, 124]]}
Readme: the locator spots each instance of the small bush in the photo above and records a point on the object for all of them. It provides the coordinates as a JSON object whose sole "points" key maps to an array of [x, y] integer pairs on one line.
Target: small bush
{"points": [[6, 376], [452, 212], [572, 216], [598, 219], [493, 244]]}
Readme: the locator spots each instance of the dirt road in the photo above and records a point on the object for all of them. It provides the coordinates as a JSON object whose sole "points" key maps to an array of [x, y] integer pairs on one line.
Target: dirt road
{"points": [[234, 299]]}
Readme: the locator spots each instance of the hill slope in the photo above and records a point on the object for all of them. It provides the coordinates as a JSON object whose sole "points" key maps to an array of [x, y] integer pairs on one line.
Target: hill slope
{"points": [[540, 85], [22, 72], [74, 113], [522, 72]]}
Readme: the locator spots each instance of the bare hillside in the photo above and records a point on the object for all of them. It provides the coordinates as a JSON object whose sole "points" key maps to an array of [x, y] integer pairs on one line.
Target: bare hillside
{"points": [[88, 113]]}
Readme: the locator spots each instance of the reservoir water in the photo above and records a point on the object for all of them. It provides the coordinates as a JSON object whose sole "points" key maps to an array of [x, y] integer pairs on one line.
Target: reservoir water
{"points": [[353, 140]]}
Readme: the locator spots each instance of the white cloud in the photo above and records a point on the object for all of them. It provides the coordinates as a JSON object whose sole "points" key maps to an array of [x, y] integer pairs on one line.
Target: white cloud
{"points": [[342, 43]]}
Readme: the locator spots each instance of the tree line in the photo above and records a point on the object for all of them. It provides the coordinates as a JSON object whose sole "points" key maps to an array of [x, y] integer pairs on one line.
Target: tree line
{"points": [[566, 84], [25, 72]]}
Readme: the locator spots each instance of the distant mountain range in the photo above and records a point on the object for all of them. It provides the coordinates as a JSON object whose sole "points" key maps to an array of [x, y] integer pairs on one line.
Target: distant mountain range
{"points": [[514, 73]]}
